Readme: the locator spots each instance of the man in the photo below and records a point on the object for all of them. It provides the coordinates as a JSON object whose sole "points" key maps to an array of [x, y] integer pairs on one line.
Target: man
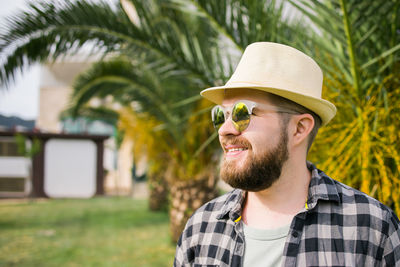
{"points": [[284, 211]]}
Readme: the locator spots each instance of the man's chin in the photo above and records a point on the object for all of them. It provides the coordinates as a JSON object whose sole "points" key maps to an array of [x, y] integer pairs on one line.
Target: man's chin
{"points": [[233, 175], [250, 175], [233, 166]]}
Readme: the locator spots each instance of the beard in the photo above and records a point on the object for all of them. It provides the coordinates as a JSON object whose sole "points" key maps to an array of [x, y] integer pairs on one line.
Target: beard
{"points": [[259, 172]]}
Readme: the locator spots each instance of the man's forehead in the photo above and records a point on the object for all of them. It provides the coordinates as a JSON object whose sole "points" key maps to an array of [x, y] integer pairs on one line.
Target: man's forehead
{"points": [[233, 95]]}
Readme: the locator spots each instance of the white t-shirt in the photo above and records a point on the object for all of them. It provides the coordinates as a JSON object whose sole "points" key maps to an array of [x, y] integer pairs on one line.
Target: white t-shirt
{"points": [[264, 247]]}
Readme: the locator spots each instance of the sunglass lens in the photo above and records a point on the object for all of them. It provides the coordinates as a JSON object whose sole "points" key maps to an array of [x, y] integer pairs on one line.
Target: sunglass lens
{"points": [[218, 117], [240, 116]]}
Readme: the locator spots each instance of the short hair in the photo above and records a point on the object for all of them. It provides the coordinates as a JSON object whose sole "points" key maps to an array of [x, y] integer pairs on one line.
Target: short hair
{"points": [[293, 106]]}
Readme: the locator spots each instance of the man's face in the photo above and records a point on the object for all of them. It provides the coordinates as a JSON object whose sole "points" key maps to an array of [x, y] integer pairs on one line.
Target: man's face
{"points": [[253, 159]]}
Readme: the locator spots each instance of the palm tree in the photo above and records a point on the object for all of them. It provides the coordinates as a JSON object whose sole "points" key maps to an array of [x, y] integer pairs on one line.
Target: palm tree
{"points": [[358, 45], [167, 131], [148, 142], [153, 63], [158, 55]]}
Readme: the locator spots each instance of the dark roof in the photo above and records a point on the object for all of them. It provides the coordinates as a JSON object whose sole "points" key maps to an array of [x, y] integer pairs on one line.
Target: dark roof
{"points": [[45, 136], [10, 122]]}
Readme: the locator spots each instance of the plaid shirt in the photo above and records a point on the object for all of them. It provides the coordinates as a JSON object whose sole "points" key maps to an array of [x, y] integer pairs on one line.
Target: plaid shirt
{"points": [[340, 227]]}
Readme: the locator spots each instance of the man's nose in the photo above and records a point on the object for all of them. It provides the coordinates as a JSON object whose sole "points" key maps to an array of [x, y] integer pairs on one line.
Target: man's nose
{"points": [[227, 128]]}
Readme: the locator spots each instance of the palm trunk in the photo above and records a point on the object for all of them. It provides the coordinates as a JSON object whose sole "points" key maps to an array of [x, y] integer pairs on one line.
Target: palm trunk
{"points": [[186, 197], [158, 187]]}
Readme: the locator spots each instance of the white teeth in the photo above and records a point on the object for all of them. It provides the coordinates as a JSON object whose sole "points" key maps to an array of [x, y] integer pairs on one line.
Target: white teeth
{"points": [[236, 149]]}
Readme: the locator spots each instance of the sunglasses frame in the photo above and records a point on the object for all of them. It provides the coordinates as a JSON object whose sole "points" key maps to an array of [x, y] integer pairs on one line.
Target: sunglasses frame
{"points": [[250, 106]]}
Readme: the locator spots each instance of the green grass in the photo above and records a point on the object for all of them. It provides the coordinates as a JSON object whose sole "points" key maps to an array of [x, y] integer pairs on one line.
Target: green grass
{"points": [[93, 232]]}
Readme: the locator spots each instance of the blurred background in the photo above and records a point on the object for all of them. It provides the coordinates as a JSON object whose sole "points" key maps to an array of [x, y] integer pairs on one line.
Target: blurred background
{"points": [[106, 147]]}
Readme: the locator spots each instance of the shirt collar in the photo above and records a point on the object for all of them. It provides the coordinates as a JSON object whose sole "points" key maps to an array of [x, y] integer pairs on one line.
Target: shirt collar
{"points": [[321, 187], [233, 205]]}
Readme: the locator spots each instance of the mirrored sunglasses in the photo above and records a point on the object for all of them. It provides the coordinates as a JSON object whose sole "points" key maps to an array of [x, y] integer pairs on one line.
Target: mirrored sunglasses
{"points": [[240, 113]]}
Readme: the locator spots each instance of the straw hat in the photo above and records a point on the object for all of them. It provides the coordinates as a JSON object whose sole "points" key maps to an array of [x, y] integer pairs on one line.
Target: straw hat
{"points": [[280, 70]]}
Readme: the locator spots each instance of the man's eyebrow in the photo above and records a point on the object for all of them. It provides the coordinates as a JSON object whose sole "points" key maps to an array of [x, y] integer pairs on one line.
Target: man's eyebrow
{"points": [[268, 107], [257, 108], [260, 107]]}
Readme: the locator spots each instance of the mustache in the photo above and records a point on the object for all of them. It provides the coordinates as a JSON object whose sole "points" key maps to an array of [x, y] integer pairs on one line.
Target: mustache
{"points": [[235, 140]]}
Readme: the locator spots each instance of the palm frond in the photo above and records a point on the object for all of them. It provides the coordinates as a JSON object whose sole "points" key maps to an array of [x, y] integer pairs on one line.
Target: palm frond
{"points": [[50, 31], [356, 36], [150, 89], [100, 113]]}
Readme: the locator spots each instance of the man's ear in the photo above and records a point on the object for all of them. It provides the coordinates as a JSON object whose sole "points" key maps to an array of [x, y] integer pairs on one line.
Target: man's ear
{"points": [[304, 123]]}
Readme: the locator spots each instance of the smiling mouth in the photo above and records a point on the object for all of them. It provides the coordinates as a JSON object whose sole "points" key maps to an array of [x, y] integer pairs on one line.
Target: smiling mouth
{"points": [[235, 149], [235, 146]]}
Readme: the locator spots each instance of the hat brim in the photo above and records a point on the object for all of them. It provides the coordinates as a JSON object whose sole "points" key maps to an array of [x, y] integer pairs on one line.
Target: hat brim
{"points": [[323, 108]]}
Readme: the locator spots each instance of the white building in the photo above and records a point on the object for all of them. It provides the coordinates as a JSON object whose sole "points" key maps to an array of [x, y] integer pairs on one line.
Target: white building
{"points": [[55, 90]]}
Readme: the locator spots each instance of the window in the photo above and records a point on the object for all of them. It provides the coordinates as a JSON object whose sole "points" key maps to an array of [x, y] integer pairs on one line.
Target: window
{"points": [[8, 148]]}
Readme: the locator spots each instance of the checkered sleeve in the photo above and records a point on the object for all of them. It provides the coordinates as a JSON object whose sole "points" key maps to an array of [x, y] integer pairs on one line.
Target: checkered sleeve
{"points": [[391, 245], [183, 251], [179, 254], [189, 245], [210, 235]]}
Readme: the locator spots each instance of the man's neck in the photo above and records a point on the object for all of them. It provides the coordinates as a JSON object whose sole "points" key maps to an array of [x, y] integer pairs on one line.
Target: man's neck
{"points": [[277, 205]]}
